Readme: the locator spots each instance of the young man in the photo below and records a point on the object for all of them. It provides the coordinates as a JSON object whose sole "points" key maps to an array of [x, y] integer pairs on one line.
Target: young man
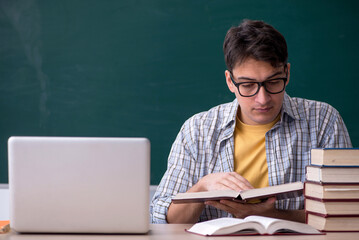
{"points": [[262, 138]]}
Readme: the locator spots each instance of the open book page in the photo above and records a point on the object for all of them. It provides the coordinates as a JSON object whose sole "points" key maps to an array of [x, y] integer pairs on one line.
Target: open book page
{"points": [[282, 191], [273, 225], [250, 225], [225, 226]]}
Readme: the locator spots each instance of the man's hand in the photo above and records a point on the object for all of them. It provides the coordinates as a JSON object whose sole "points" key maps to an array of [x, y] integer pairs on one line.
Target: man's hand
{"points": [[242, 210], [222, 181], [267, 209], [190, 212]]}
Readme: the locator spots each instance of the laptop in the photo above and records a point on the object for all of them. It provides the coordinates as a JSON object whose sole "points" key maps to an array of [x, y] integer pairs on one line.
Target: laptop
{"points": [[79, 185]]}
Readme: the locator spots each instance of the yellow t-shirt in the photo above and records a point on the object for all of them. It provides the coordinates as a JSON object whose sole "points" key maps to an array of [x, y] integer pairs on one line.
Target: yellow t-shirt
{"points": [[250, 159]]}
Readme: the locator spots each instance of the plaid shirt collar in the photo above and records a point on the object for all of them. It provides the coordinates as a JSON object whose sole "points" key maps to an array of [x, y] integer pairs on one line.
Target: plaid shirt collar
{"points": [[289, 108]]}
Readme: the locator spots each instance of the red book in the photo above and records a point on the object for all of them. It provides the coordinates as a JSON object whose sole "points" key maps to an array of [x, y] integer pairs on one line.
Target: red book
{"points": [[332, 206], [333, 223]]}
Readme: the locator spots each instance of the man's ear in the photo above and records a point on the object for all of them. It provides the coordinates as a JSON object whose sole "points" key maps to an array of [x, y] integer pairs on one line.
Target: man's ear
{"points": [[288, 73], [229, 82]]}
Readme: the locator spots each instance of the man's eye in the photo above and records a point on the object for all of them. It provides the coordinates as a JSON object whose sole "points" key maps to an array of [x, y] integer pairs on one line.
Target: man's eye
{"points": [[248, 85], [274, 82]]}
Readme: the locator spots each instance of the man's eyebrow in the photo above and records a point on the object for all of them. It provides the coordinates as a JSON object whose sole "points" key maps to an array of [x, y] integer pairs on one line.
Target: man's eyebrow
{"points": [[274, 74], [253, 79], [247, 78]]}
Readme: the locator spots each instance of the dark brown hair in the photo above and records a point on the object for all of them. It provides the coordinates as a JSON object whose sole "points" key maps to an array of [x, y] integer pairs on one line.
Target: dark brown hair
{"points": [[257, 40]]}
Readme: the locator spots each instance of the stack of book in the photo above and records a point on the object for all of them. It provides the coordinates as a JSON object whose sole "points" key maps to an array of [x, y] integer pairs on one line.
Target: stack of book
{"points": [[331, 190]]}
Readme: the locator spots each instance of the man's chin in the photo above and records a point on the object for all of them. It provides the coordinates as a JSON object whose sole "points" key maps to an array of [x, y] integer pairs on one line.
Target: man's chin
{"points": [[264, 120]]}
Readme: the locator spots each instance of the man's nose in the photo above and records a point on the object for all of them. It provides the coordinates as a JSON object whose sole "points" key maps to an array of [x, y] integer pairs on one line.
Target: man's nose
{"points": [[262, 97]]}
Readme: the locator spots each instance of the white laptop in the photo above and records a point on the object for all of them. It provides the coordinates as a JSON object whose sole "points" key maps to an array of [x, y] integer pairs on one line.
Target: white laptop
{"points": [[79, 185]]}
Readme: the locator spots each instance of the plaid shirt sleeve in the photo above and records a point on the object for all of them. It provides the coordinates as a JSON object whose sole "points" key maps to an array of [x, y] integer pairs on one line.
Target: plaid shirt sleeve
{"points": [[177, 178], [201, 147]]}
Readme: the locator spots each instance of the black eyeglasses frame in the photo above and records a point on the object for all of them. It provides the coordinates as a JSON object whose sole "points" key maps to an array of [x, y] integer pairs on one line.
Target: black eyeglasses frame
{"points": [[260, 84]]}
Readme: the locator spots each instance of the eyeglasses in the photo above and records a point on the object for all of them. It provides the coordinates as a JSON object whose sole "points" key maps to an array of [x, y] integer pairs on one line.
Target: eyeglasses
{"points": [[249, 89]]}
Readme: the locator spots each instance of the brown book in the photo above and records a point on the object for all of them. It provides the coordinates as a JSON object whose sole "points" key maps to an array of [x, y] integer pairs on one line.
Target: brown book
{"points": [[283, 191], [332, 174], [332, 206], [335, 156], [331, 190], [334, 223]]}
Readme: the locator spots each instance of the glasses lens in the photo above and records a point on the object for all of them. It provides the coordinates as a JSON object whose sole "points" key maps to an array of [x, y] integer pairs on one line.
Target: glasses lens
{"points": [[275, 86], [248, 89]]}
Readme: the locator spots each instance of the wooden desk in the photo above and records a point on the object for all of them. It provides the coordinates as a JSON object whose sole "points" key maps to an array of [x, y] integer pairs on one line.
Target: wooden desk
{"points": [[172, 232]]}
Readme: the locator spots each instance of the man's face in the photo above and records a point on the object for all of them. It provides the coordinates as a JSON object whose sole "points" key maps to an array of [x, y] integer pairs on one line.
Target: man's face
{"points": [[263, 107]]}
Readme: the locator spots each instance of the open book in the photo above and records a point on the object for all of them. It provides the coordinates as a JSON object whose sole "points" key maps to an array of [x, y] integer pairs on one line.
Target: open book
{"points": [[283, 191], [251, 225]]}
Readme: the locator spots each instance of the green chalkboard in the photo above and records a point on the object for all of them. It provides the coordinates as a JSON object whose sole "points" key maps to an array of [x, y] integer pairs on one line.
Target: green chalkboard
{"points": [[141, 68]]}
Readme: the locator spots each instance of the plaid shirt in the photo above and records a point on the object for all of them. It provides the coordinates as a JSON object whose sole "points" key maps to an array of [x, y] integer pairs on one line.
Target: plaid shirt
{"points": [[205, 145]]}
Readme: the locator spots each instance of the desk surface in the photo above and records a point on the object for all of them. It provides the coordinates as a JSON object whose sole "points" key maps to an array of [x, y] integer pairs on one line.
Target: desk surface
{"points": [[173, 232]]}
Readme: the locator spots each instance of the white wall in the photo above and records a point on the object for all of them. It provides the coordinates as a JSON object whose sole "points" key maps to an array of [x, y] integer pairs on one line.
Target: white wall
{"points": [[4, 202]]}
